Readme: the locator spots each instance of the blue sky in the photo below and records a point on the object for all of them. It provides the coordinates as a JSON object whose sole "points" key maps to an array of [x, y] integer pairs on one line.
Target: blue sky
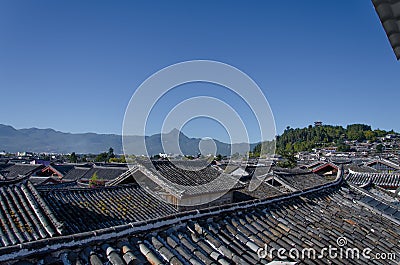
{"points": [[73, 65]]}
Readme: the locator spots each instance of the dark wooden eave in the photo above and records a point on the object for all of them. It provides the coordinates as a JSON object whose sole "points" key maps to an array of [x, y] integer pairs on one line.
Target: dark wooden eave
{"points": [[389, 15]]}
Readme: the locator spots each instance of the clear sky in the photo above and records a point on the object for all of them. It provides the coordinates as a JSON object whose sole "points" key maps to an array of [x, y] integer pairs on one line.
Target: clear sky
{"points": [[73, 65]]}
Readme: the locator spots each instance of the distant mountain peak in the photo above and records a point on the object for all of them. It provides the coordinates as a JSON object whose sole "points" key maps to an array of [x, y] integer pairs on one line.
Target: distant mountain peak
{"points": [[49, 140], [7, 129], [7, 126], [174, 131]]}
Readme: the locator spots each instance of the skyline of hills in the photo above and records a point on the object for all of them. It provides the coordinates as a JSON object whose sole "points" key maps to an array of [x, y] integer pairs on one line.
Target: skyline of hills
{"points": [[293, 139], [52, 141]]}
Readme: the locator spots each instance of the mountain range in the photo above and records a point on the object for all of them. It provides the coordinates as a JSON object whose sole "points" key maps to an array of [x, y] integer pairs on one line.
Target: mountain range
{"points": [[51, 141]]}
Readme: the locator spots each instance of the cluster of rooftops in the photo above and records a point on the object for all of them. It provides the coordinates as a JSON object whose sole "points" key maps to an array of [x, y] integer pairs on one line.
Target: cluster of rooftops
{"points": [[139, 215]]}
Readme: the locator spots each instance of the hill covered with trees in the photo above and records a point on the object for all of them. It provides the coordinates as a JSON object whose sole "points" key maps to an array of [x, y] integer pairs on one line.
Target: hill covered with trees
{"points": [[305, 139]]}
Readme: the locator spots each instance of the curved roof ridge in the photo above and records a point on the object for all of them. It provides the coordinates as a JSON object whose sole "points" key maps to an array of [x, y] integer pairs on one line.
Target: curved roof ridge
{"points": [[17, 180], [386, 10], [396, 173], [119, 187]]}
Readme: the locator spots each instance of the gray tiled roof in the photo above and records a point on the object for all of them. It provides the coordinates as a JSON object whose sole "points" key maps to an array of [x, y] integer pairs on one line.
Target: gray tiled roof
{"points": [[263, 191], [62, 168], [183, 176], [315, 220], [91, 209], [75, 173], [391, 180], [359, 168], [3, 166], [184, 179], [385, 195], [59, 185], [132, 228], [35, 180], [105, 173], [389, 14], [381, 202], [24, 216], [299, 179], [15, 170], [389, 165], [258, 171]]}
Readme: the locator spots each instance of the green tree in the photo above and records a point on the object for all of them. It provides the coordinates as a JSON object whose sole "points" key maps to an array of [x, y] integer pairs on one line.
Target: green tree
{"points": [[94, 177], [289, 160], [305, 139], [356, 131], [120, 159], [94, 181], [110, 153], [370, 135], [263, 148], [379, 148], [102, 157], [73, 158], [380, 133]]}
